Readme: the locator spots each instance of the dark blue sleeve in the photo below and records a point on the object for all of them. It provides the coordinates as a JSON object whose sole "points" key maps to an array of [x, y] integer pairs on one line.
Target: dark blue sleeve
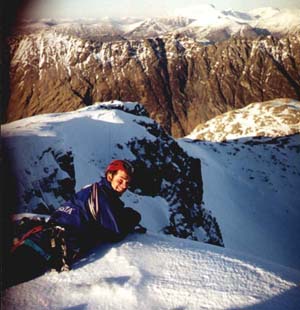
{"points": [[73, 213]]}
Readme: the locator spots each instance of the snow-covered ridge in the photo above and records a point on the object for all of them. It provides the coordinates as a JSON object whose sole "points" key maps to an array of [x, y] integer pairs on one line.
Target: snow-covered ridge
{"points": [[66, 151], [129, 107], [273, 118]]}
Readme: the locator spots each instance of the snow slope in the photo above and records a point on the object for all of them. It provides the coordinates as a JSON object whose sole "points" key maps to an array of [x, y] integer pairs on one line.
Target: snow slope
{"points": [[251, 177], [276, 20], [155, 272]]}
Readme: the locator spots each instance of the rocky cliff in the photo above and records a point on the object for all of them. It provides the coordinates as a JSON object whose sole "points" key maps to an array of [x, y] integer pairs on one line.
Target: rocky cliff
{"points": [[181, 81]]}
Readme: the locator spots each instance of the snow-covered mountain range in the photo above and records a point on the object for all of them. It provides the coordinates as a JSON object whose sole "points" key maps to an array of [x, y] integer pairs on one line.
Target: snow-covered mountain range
{"points": [[185, 68], [242, 192], [180, 81], [203, 22]]}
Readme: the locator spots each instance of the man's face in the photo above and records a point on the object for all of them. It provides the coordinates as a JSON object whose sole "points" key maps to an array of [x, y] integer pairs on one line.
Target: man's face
{"points": [[119, 182]]}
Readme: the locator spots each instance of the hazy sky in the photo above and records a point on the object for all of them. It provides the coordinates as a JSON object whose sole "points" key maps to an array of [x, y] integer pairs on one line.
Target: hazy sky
{"points": [[139, 8]]}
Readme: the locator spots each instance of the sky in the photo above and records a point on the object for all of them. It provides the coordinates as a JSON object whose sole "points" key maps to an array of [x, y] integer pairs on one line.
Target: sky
{"points": [[137, 8]]}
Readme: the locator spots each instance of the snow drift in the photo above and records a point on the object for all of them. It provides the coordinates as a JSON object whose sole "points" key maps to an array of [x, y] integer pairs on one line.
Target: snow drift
{"points": [[157, 272]]}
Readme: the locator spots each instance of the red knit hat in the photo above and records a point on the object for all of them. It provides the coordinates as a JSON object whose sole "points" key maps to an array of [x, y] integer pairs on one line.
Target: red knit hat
{"points": [[123, 165]]}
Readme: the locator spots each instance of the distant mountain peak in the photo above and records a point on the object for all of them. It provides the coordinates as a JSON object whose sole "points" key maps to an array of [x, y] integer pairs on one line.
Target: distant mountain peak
{"points": [[273, 118]]}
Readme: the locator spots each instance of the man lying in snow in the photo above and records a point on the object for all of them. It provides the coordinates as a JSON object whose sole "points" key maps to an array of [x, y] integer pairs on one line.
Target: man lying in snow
{"points": [[95, 214]]}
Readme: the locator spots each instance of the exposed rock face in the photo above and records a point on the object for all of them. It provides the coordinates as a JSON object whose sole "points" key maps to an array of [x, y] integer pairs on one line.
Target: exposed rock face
{"points": [[180, 81]]}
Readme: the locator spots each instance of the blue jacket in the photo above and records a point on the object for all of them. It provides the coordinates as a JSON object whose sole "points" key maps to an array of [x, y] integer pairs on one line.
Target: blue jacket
{"points": [[94, 214]]}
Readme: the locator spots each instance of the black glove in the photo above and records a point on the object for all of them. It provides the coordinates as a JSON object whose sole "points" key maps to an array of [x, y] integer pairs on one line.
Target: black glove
{"points": [[140, 229]]}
